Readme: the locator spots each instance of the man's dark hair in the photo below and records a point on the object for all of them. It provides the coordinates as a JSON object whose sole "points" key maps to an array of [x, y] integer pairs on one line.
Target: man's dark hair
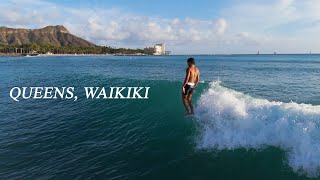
{"points": [[191, 61]]}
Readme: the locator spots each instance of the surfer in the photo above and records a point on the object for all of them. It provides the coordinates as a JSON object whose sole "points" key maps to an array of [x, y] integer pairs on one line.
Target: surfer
{"points": [[190, 83]]}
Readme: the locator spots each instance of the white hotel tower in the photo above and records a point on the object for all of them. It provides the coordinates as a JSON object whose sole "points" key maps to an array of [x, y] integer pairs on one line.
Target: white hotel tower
{"points": [[160, 49]]}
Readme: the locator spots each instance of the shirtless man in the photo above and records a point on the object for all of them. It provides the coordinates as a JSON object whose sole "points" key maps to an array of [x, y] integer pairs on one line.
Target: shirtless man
{"points": [[190, 83]]}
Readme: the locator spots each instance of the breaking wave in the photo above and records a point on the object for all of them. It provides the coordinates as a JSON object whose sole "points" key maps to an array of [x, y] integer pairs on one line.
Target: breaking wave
{"points": [[231, 120]]}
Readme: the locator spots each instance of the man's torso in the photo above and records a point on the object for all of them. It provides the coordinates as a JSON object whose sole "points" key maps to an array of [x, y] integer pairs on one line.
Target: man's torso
{"points": [[193, 74]]}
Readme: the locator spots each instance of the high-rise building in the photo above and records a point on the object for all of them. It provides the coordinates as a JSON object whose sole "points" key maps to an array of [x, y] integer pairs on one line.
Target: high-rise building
{"points": [[160, 49]]}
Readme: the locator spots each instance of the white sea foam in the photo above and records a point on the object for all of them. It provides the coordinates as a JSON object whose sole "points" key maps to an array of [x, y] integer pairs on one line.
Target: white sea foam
{"points": [[231, 119]]}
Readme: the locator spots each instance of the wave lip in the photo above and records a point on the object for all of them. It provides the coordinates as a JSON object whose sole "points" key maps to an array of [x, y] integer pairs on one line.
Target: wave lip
{"points": [[231, 119]]}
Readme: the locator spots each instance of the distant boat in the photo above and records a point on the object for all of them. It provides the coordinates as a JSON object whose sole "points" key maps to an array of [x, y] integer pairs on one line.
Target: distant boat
{"points": [[29, 55], [258, 52], [275, 53]]}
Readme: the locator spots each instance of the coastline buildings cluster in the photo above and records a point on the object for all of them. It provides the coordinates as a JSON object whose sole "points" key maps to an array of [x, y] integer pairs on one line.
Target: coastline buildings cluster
{"points": [[35, 49]]}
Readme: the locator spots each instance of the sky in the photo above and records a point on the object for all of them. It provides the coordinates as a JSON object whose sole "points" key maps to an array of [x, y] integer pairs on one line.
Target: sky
{"points": [[186, 27]]}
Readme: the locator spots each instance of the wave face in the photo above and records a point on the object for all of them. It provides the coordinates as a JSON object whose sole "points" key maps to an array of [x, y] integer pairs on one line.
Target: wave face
{"points": [[231, 120]]}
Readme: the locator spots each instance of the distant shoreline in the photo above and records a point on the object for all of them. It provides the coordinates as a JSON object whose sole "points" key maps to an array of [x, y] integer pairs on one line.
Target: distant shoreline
{"points": [[10, 55], [60, 55], [79, 55]]}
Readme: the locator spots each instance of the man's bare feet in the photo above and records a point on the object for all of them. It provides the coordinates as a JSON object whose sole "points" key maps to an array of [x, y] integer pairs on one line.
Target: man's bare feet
{"points": [[189, 114]]}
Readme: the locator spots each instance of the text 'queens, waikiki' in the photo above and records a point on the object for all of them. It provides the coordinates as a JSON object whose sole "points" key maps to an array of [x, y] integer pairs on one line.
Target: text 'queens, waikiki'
{"points": [[19, 93]]}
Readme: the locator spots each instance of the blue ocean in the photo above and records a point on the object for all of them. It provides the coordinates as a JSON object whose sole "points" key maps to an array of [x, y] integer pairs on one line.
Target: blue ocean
{"points": [[256, 117]]}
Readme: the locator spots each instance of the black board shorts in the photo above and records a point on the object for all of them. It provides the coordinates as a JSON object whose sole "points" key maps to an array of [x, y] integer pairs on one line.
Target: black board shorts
{"points": [[188, 89]]}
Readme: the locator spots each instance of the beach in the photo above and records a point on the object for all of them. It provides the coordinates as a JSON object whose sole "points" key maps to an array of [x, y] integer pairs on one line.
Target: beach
{"points": [[61, 55], [49, 55], [10, 55]]}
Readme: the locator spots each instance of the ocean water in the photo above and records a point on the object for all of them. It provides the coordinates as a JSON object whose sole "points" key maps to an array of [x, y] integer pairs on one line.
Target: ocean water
{"points": [[257, 117]]}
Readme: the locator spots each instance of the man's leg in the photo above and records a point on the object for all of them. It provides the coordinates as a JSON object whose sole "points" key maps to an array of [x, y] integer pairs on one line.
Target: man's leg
{"points": [[189, 98], [184, 100]]}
